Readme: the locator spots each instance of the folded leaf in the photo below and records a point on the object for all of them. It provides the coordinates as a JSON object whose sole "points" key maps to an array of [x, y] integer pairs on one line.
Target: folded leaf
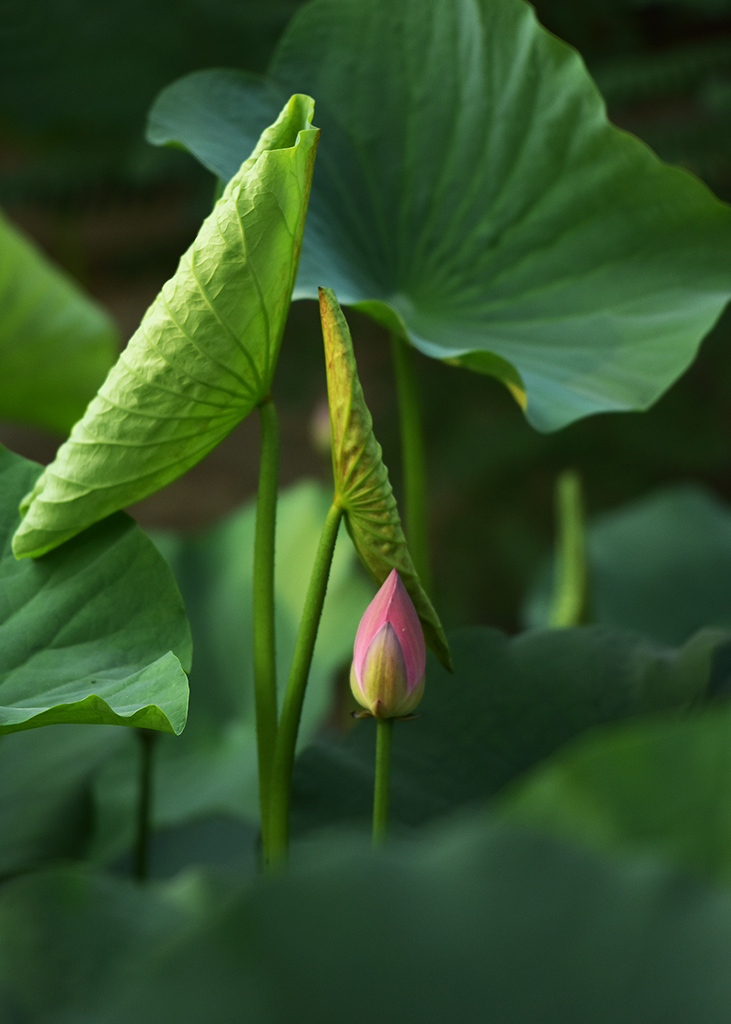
{"points": [[204, 354], [362, 487]]}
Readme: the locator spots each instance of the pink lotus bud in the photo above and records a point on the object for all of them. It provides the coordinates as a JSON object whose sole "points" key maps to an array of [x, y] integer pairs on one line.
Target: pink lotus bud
{"points": [[389, 658]]}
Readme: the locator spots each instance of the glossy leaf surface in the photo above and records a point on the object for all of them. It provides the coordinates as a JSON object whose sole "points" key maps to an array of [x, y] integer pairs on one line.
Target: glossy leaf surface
{"points": [[56, 344], [362, 487], [511, 703], [204, 354], [472, 194], [87, 634]]}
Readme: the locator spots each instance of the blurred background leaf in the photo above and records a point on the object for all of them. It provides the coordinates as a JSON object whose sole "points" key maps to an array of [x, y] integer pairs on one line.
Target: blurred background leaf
{"points": [[56, 344], [659, 787], [511, 703], [471, 915], [660, 565]]}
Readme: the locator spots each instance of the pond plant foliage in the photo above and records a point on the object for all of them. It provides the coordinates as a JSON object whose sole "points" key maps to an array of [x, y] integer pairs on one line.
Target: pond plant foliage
{"points": [[550, 834]]}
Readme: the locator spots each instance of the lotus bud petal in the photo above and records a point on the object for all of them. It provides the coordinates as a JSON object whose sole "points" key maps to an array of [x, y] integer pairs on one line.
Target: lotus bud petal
{"points": [[389, 657]]}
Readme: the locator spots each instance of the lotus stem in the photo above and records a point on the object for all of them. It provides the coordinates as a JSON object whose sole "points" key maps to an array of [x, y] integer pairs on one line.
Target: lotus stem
{"points": [[413, 458], [265, 660], [277, 845]]}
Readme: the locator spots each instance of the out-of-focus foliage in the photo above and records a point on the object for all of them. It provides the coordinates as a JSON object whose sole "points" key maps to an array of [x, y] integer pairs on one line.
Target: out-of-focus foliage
{"points": [[665, 71], [56, 344], [77, 78]]}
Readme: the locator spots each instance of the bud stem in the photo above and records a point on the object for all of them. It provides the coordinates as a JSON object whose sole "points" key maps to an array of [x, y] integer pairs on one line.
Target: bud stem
{"points": [[413, 458], [265, 666], [569, 599], [276, 846], [384, 730]]}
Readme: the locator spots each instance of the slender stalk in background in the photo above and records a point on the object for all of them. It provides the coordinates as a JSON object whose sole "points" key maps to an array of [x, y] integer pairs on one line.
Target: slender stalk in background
{"points": [[265, 662], [384, 732], [147, 739], [569, 599], [277, 841], [413, 459]]}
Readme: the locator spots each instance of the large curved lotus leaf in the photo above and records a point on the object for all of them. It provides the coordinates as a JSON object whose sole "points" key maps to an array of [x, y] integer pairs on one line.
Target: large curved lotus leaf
{"points": [[56, 344], [516, 701], [362, 487], [87, 634], [472, 194], [212, 768], [661, 785], [204, 354]]}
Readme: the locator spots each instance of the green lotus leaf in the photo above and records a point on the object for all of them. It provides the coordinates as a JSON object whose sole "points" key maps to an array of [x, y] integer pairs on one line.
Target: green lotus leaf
{"points": [[471, 189], [92, 634], [517, 700], [56, 344], [362, 487], [204, 354], [660, 785], [475, 920]]}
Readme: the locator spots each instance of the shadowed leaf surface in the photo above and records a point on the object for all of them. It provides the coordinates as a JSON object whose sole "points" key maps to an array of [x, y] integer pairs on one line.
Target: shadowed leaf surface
{"points": [[660, 786], [511, 703], [472, 195], [471, 915]]}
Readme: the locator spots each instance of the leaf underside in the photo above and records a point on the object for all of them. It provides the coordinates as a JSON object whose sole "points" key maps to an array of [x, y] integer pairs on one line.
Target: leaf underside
{"points": [[204, 354]]}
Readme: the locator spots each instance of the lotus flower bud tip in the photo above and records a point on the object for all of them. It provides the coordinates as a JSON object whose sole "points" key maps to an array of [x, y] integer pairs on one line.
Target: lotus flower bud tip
{"points": [[389, 656]]}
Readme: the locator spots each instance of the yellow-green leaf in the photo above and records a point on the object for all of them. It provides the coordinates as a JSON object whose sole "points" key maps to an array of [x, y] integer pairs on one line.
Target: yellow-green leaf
{"points": [[204, 354], [362, 487]]}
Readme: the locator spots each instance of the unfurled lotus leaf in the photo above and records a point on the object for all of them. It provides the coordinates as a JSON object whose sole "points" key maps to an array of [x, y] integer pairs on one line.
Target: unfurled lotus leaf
{"points": [[203, 356]]}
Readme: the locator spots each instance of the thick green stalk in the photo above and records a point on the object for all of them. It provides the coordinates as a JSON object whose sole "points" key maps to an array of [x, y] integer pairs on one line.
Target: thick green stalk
{"points": [[569, 598], [413, 459], [147, 738], [265, 662], [384, 732], [277, 846]]}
